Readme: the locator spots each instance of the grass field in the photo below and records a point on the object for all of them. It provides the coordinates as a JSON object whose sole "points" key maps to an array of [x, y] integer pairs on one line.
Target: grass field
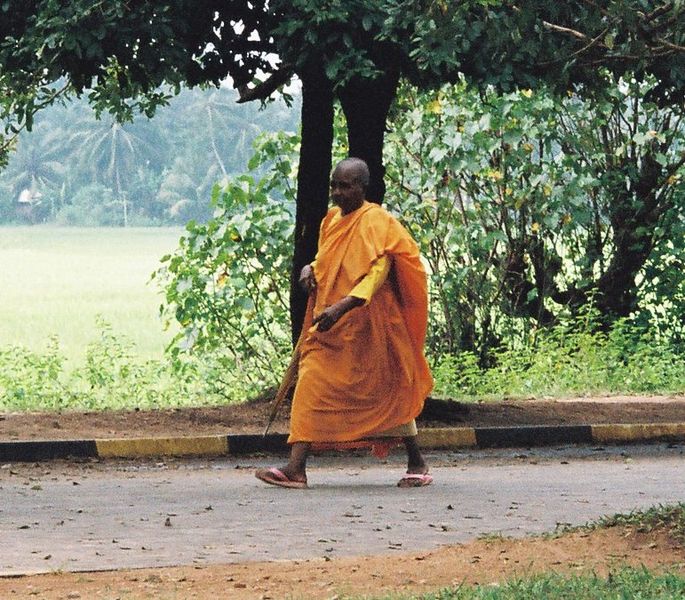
{"points": [[58, 280]]}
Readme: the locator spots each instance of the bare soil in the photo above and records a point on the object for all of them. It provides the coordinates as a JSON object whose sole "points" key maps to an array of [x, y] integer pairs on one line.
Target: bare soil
{"points": [[252, 416], [485, 562]]}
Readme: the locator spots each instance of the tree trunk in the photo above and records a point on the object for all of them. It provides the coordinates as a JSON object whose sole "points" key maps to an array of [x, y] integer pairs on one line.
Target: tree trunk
{"points": [[634, 214], [366, 103], [312, 183], [634, 233]]}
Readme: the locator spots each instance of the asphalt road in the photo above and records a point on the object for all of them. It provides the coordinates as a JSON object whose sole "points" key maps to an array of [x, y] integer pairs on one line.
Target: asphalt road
{"points": [[114, 514]]}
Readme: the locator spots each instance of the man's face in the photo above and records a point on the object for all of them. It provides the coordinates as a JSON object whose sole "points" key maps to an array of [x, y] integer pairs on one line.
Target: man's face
{"points": [[346, 191]]}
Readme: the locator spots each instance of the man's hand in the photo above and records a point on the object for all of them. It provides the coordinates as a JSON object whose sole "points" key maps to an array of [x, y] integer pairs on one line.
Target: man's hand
{"points": [[307, 279], [331, 315]]}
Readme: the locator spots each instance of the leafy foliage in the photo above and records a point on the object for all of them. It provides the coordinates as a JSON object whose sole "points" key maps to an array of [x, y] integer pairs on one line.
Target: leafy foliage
{"points": [[472, 179], [113, 377], [29, 379], [572, 358], [522, 219], [563, 45], [225, 284], [130, 58]]}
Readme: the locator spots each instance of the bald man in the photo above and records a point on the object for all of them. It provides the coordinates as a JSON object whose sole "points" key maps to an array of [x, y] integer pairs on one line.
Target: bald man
{"points": [[362, 375]]}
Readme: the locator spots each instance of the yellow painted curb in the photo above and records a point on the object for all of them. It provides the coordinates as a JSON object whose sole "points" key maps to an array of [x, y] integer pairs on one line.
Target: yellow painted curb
{"points": [[639, 431], [169, 446], [447, 437]]}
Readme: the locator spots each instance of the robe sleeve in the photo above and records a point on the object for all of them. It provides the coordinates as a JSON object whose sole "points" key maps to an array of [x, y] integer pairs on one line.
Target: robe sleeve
{"points": [[373, 280]]}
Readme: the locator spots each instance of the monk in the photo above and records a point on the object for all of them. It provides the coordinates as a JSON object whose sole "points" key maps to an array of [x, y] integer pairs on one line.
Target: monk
{"points": [[362, 371]]}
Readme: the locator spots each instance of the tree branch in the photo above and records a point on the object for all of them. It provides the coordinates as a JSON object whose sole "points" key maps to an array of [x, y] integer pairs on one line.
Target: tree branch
{"points": [[559, 28], [671, 45], [264, 89]]}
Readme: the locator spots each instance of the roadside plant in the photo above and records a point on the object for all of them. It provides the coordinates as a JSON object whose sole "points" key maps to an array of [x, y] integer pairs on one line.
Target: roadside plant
{"points": [[33, 379], [478, 182], [226, 284], [573, 357]]}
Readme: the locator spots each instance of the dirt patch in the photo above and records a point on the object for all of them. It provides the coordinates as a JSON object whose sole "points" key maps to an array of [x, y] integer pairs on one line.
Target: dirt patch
{"points": [[251, 417], [482, 562]]}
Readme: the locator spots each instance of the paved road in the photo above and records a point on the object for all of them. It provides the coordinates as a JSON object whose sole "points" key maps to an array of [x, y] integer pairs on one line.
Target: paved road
{"points": [[130, 514]]}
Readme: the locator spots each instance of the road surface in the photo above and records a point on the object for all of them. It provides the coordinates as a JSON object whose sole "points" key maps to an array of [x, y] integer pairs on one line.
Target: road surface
{"points": [[116, 514]]}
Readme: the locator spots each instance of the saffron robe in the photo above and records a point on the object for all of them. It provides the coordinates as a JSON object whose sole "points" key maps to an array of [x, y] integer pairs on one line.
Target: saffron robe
{"points": [[368, 373]]}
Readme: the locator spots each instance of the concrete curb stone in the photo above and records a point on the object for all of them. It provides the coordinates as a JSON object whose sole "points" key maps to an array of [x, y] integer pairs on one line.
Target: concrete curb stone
{"points": [[430, 439]]}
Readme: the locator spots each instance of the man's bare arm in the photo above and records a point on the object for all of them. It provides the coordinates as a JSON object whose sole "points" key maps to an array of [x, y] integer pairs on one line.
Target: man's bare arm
{"points": [[331, 315]]}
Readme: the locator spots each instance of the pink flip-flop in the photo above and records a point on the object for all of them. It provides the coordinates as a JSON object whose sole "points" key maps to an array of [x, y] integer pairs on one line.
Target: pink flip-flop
{"points": [[411, 480], [275, 476]]}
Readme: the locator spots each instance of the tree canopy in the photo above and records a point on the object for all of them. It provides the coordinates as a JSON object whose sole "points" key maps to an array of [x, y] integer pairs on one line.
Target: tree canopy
{"points": [[126, 54], [563, 44]]}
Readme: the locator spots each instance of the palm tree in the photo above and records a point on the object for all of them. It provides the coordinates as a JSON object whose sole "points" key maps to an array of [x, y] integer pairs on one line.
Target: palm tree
{"points": [[36, 169], [214, 123], [114, 154]]}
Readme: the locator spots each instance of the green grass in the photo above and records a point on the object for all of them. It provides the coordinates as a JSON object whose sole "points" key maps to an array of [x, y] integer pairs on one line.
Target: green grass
{"points": [[625, 583], [622, 584], [57, 281], [670, 518]]}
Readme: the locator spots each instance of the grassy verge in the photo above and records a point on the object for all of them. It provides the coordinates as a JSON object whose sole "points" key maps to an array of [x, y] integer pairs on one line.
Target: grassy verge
{"points": [[626, 583], [572, 359], [670, 518], [112, 376], [113, 373], [623, 584]]}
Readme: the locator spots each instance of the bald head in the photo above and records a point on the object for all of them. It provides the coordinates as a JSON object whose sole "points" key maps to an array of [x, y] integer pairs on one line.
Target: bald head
{"points": [[349, 181], [357, 168]]}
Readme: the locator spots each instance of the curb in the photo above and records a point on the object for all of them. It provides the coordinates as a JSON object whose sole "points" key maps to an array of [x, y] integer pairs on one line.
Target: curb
{"points": [[430, 439]]}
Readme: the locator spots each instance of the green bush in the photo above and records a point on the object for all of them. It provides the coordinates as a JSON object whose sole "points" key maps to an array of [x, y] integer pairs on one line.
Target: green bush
{"points": [[31, 380], [572, 358], [111, 378], [226, 284]]}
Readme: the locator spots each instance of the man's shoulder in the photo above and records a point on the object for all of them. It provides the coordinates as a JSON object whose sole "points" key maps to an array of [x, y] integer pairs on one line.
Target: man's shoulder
{"points": [[378, 213], [332, 213], [375, 211]]}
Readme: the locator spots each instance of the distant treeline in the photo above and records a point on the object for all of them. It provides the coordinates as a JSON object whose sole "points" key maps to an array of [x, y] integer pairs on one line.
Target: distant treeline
{"points": [[74, 169]]}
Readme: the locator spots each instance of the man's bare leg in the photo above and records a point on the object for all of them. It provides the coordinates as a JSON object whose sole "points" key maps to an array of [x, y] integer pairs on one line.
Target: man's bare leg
{"points": [[415, 461], [296, 469], [294, 474], [417, 469]]}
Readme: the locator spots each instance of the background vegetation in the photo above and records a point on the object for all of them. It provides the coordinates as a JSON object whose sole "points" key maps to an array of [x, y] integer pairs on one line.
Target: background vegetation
{"points": [[74, 169], [550, 217], [521, 203], [524, 230]]}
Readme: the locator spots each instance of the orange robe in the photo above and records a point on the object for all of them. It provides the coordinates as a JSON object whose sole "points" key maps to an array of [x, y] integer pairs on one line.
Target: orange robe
{"points": [[368, 373]]}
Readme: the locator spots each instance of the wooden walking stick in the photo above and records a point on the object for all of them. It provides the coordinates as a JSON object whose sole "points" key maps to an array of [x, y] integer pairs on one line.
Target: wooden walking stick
{"points": [[289, 379], [290, 376]]}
